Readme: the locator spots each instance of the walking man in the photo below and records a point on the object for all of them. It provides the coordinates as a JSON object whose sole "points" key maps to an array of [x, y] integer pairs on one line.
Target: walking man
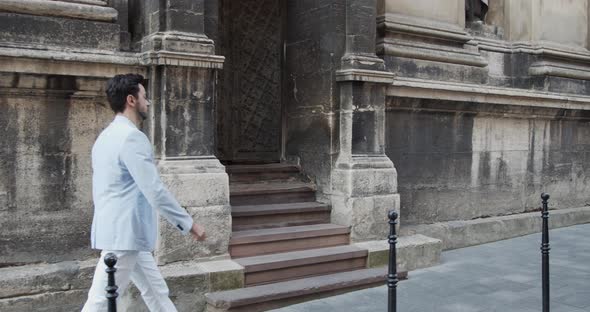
{"points": [[128, 195]]}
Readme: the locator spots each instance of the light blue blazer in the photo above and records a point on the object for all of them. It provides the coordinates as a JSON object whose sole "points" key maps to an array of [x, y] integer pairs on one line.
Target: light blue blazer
{"points": [[128, 192]]}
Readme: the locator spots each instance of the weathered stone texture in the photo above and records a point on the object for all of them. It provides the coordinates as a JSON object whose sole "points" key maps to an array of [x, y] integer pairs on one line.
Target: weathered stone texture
{"points": [[413, 252], [54, 31], [476, 161], [173, 247], [46, 183], [459, 234], [315, 43]]}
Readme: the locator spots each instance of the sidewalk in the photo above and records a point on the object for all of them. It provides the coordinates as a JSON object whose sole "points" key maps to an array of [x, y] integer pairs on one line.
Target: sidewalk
{"points": [[503, 276]]}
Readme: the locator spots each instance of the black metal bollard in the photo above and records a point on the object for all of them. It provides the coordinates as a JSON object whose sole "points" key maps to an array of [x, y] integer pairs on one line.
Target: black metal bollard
{"points": [[392, 275], [545, 252], [110, 260]]}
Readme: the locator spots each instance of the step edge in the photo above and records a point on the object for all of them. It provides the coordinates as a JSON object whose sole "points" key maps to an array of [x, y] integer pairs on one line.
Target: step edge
{"points": [[252, 239], [303, 261], [263, 212], [296, 189], [372, 276]]}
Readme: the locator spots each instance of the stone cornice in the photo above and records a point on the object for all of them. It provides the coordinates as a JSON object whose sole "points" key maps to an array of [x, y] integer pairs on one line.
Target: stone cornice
{"points": [[182, 59], [428, 52], [78, 63], [417, 38], [441, 90], [537, 48], [365, 75], [61, 9], [391, 22]]}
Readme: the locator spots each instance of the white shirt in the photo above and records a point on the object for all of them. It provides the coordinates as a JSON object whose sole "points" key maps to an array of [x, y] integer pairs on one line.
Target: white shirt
{"points": [[128, 192]]}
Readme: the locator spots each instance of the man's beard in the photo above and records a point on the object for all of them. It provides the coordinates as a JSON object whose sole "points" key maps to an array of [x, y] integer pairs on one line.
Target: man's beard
{"points": [[142, 115]]}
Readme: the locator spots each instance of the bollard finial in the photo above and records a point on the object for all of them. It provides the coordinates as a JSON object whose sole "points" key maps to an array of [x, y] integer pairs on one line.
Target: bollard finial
{"points": [[545, 196], [393, 215], [110, 260]]}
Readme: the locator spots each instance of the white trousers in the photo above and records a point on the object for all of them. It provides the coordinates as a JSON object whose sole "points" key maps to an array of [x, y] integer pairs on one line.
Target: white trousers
{"points": [[138, 267]]}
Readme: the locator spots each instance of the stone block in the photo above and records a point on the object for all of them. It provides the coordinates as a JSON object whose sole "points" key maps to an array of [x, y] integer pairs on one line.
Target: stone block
{"points": [[367, 216], [223, 274], [450, 11], [186, 21], [172, 246], [53, 31], [413, 252], [198, 190], [459, 234], [365, 182], [60, 301]]}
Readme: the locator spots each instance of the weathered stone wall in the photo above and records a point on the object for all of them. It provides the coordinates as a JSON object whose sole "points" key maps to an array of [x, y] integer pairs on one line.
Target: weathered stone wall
{"points": [[45, 173], [314, 46], [481, 120], [464, 160]]}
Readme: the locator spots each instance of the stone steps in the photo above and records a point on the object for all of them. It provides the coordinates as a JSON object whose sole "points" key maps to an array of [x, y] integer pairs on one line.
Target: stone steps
{"points": [[271, 193], [263, 172], [270, 296], [276, 240], [299, 264], [251, 217]]}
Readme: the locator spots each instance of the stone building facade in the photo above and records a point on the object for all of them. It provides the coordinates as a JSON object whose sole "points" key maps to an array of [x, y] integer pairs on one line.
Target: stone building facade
{"points": [[457, 119]]}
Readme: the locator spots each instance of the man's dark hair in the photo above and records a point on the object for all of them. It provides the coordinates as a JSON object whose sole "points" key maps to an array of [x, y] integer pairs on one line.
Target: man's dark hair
{"points": [[119, 87]]}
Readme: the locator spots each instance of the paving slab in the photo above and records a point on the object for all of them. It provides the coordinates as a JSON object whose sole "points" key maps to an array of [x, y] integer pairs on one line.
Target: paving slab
{"points": [[501, 276]]}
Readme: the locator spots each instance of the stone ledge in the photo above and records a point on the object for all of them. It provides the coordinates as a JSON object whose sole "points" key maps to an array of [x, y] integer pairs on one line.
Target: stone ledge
{"points": [[61, 9], [182, 59], [452, 91], [459, 234], [41, 278], [545, 68], [75, 63], [64, 286], [392, 22], [422, 51], [364, 75], [413, 252]]}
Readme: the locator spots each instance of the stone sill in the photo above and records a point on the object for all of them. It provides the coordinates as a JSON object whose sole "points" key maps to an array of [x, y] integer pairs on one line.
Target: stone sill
{"points": [[90, 10], [453, 91]]}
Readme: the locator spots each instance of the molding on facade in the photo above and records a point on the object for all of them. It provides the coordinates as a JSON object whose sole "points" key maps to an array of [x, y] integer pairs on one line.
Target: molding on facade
{"points": [[364, 75], [182, 59], [562, 63], [452, 91], [422, 27], [418, 38], [547, 68], [89, 10], [431, 53], [178, 42], [73, 63]]}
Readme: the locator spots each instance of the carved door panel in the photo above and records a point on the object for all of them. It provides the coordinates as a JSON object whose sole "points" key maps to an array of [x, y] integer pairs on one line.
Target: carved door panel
{"points": [[249, 127]]}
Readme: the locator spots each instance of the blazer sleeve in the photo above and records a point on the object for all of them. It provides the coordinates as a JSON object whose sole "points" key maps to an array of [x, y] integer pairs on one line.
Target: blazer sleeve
{"points": [[137, 156]]}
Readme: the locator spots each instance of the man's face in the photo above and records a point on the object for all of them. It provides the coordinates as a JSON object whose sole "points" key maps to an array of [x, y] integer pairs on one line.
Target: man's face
{"points": [[143, 103], [139, 103]]}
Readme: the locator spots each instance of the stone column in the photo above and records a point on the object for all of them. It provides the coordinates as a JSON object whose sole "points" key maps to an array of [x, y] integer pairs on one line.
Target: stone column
{"points": [[364, 179], [183, 69]]}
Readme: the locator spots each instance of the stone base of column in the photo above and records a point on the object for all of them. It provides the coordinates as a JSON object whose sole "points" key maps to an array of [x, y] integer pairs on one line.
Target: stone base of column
{"points": [[202, 187], [364, 189]]}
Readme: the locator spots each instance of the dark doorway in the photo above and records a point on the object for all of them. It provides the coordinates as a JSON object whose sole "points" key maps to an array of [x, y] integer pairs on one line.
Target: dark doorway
{"points": [[249, 107]]}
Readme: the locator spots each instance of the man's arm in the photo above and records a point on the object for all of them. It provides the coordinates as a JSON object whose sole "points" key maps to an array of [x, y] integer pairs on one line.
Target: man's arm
{"points": [[137, 155]]}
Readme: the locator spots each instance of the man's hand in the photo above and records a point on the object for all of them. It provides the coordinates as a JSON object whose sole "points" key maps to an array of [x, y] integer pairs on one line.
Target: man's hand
{"points": [[198, 232]]}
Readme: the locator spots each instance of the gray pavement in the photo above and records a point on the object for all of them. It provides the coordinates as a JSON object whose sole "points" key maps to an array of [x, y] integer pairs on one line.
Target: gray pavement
{"points": [[502, 276]]}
